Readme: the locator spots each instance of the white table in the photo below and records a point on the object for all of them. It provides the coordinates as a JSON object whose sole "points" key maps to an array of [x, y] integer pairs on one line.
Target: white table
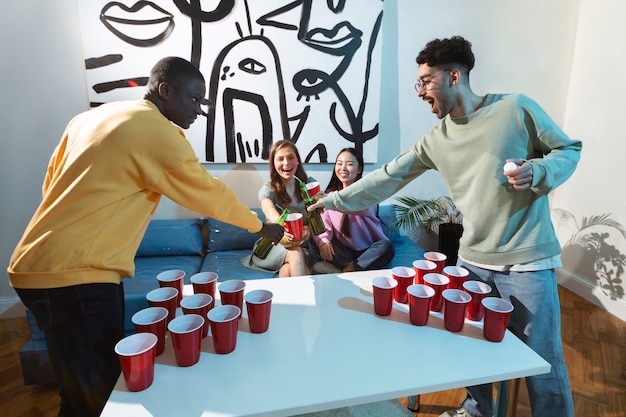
{"points": [[325, 349]]}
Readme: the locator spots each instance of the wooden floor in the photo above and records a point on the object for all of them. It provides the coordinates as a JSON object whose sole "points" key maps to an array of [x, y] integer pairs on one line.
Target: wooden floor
{"points": [[594, 346]]}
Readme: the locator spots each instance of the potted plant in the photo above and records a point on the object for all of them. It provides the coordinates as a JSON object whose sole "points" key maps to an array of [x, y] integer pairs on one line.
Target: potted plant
{"points": [[436, 217]]}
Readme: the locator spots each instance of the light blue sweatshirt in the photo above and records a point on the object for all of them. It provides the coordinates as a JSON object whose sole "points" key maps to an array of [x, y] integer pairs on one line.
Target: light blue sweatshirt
{"points": [[501, 226]]}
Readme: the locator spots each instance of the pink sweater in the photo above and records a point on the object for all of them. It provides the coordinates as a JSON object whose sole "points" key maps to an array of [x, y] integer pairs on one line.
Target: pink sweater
{"points": [[365, 228]]}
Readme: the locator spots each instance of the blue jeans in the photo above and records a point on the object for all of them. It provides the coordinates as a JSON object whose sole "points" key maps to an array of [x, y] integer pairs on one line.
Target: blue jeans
{"points": [[536, 320], [81, 324]]}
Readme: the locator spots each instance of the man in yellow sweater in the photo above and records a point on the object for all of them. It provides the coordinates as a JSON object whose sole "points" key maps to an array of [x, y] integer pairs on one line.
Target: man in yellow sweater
{"points": [[103, 184]]}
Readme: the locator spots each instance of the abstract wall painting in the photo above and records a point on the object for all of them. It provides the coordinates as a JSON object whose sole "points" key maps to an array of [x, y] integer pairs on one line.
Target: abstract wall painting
{"points": [[303, 70]]}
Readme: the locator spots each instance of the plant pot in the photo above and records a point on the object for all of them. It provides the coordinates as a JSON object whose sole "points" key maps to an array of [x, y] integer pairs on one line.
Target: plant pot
{"points": [[426, 240], [449, 236]]}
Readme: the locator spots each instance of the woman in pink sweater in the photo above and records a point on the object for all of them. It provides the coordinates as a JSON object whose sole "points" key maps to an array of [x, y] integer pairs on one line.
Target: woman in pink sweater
{"points": [[353, 241]]}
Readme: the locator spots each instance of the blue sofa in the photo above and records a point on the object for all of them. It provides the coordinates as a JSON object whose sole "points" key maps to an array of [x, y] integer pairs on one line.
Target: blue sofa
{"points": [[192, 245]]}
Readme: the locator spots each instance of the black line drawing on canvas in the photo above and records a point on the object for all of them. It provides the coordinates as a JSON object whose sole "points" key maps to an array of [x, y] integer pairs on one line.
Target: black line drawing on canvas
{"points": [[297, 70]]}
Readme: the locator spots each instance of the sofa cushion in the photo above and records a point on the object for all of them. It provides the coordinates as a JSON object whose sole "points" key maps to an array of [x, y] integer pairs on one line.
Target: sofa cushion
{"points": [[224, 236], [146, 270], [227, 265], [407, 251], [173, 237]]}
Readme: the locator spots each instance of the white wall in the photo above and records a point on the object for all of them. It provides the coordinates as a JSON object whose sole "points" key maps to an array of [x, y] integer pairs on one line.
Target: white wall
{"points": [[569, 57], [43, 85], [510, 56], [593, 112], [554, 51]]}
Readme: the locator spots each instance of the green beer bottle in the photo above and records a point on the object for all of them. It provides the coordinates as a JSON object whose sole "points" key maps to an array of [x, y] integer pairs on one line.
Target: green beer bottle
{"points": [[316, 224], [265, 246]]}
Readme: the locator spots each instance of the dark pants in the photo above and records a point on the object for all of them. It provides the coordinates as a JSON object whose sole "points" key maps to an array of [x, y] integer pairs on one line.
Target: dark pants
{"points": [[375, 257], [81, 324]]}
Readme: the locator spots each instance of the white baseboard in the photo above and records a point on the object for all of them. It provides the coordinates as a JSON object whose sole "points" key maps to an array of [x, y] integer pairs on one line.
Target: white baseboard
{"points": [[592, 293]]}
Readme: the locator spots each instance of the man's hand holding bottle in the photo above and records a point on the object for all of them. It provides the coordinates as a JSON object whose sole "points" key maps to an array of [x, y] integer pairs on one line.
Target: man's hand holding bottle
{"points": [[272, 231], [318, 204]]}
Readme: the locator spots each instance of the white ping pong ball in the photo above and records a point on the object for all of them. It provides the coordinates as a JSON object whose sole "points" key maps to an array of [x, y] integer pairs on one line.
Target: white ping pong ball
{"points": [[509, 166]]}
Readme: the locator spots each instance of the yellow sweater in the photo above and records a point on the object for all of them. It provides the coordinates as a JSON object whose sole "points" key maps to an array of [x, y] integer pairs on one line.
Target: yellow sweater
{"points": [[103, 184]]}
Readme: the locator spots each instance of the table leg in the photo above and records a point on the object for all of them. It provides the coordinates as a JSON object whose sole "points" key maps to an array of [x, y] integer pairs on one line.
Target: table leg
{"points": [[508, 392], [413, 403]]}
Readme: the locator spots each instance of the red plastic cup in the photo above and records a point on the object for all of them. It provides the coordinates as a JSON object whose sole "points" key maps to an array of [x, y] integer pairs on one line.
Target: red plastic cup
{"points": [[405, 277], [420, 297], [174, 278], [437, 282], [199, 304], [497, 314], [259, 305], [478, 290], [224, 321], [186, 335], [313, 188], [165, 297], [438, 258], [457, 274], [231, 292], [204, 283], [455, 307], [136, 354], [152, 320], [423, 267], [293, 225], [383, 289]]}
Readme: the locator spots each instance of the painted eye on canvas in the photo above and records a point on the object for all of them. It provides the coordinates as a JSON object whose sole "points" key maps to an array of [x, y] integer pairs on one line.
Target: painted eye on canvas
{"points": [[252, 66]]}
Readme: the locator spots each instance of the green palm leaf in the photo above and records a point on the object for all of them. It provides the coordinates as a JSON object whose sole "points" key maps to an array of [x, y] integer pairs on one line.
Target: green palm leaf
{"points": [[425, 214]]}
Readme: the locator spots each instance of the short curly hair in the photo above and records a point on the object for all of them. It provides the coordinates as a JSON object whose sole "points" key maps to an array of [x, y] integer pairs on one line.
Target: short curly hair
{"points": [[441, 52]]}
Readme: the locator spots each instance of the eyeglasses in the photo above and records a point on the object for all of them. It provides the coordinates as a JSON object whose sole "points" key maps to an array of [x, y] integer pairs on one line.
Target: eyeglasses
{"points": [[427, 81]]}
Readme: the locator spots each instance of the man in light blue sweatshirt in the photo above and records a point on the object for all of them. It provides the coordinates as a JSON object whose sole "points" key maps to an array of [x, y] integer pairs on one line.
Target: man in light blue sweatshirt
{"points": [[508, 239]]}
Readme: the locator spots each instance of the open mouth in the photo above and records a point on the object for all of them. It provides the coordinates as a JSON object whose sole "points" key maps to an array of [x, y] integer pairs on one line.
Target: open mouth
{"points": [[431, 103], [142, 24], [334, 40]]}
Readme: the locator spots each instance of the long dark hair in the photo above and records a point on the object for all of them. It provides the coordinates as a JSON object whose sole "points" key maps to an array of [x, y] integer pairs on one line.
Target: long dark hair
{"points": [[276, 182], [335, 184]]}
